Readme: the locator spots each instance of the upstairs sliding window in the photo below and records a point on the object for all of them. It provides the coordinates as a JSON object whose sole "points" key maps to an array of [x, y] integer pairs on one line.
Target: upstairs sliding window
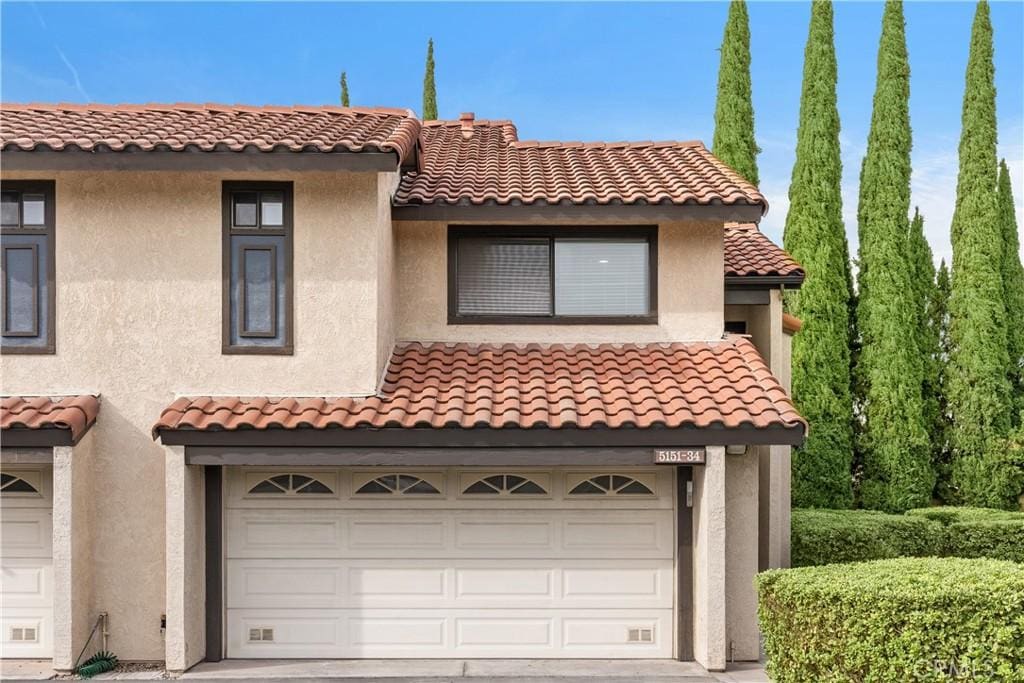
{"points": [[257, 267], [552, 275]]}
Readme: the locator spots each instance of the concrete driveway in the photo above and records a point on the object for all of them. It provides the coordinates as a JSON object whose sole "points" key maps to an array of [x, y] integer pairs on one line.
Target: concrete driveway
{"points": [[425, 671]]}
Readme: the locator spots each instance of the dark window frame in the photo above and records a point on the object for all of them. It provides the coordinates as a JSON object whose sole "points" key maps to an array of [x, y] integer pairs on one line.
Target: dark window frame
{"points": [[552, 233], [47, 188], [287, 231]]}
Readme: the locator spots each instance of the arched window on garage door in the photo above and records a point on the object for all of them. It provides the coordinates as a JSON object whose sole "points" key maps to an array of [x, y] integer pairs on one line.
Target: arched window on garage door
{"points": [[288, 484], [611, 485], [398, 484], [505, 484], [12, 484]]}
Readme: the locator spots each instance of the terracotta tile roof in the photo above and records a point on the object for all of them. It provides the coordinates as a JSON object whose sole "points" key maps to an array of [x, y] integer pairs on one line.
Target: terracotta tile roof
{"points": [[207, 128], [723, 384], [748, 252], [484, 162], [73, 413], [791, 324]]}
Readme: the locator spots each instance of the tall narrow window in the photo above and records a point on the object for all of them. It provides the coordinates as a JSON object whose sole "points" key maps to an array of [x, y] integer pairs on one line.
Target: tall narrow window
{"points": [[27, 291], [257, 267]]}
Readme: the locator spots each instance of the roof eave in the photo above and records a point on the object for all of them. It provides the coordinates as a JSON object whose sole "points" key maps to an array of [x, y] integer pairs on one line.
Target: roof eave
{"points": [[48, 437], [427, 437], [76, 159], [577, 212], [764, 281]]}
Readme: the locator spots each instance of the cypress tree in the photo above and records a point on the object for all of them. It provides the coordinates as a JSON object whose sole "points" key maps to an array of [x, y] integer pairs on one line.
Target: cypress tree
{"points": [[979, 392], [1013, 290], [941, 427], [815, 235], [344, 89], [931, 315], [734, 141], [894, 443], [429, 91]]}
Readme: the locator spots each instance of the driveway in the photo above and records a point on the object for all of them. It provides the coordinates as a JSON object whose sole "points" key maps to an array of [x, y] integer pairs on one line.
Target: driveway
{"points": [[426, 671]]}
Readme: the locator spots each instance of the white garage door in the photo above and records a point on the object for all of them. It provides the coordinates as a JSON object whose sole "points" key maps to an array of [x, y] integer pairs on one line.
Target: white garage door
{"points": [[26, 562], [340, 563]]}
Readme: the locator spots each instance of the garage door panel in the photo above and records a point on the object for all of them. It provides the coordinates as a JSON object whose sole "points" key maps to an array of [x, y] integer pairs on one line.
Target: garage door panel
{"points": [[26, 583], [26, 532], [502, 584], [509, 633], [353, 633], [284, 634], [26, 632], [284, 583], [283, 533], [383, 583], [590, 633], [506, 534], [397, 533]]}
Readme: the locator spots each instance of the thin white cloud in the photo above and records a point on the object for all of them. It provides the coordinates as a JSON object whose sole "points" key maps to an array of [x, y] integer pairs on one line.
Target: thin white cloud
{"points": [[60, 53]]}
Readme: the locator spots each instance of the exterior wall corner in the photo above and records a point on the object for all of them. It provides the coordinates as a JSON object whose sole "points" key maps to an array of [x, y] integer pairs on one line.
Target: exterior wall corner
{"points": [[72, 553], [709, 561], [186, 546]]}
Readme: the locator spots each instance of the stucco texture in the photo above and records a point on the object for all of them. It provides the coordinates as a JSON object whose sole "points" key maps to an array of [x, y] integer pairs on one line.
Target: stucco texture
{"points": [[691, 297], [138, 261]]}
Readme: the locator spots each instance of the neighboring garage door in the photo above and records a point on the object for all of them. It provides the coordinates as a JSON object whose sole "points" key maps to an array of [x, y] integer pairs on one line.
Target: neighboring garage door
{"points": [[341, 563], [26, 562]]}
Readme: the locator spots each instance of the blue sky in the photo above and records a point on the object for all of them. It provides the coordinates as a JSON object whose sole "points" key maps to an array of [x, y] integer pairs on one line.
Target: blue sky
{"points": [[578, 71]]}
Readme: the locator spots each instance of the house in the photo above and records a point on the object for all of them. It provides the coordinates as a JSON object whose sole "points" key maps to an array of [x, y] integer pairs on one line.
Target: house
{"points": [[317, 382]]}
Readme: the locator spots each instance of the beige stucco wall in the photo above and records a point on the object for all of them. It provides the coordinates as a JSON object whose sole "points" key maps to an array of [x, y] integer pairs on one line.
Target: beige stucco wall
{"points": [[138, 260], [73, 551], [741, 552], [710, 571], [690, 292], [186, 562], [764, 325]]}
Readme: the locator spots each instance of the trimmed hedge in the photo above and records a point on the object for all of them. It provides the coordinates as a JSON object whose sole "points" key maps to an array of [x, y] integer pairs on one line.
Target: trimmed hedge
{"points": [[949, 514], [909, 619], [827, 536]]}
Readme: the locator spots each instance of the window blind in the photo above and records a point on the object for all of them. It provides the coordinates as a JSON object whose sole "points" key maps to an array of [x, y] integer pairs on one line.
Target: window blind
{"points": [[504, 276], [601, 277]]}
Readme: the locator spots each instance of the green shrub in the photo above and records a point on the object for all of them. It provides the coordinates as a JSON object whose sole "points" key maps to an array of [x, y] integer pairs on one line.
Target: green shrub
{"points": [[999, 539], [948, 514], [910, 619], [827, 536], [978, 532]]}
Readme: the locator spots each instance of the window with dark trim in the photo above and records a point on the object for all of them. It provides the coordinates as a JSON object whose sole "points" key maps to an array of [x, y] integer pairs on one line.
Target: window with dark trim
{"points": [[27, 289], [736, 326], [257, 287], [569, 275]]}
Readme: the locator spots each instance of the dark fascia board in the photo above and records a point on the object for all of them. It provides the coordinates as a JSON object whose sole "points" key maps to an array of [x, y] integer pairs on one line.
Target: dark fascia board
{"points": [[165, 160], [763, 281], [427, 437], [420, 457], [743, 213], [48, 437]]}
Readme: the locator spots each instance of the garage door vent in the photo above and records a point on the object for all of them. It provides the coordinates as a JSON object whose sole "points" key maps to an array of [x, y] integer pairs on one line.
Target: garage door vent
{"points": [[640, 635], [257, 635], [24, 634]]}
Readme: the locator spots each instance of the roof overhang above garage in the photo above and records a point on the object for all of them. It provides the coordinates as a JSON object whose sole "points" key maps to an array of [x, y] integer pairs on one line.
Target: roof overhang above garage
{"points": [[461, 397], [46, 422]]}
